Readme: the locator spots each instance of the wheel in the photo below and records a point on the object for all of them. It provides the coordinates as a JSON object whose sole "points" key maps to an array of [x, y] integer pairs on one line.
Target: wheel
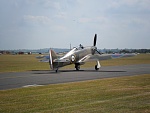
{"points": [[56, 70], [96, 68], [77, 67]]}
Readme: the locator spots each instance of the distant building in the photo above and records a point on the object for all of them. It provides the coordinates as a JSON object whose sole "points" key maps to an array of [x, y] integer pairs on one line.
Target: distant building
{"points": [[5, 52], [20, 53], [29, 53]]}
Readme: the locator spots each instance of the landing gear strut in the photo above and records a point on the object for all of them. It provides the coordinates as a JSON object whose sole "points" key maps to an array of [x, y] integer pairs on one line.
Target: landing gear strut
{"points": [[97, 66], [56, 70], [77, 66]]}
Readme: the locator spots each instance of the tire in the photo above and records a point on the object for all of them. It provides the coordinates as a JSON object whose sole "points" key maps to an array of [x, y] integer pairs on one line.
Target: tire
{"points": [[77, 67], [56, 70], [96, 68]]}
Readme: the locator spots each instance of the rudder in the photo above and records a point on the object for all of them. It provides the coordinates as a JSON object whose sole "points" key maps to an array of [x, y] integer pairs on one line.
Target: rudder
{"points": [[52, 57]]}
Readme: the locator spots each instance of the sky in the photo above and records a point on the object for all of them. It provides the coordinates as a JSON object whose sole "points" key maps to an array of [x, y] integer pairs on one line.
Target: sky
{"points": [[37, 24]]}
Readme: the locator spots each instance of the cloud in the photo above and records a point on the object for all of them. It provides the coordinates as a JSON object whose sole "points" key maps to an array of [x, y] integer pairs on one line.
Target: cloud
{"points": [[139, 4], [37, 19], [60, 28], [96, 19], [56, 5], [61, 15], [120, 3], [139, 24], [113, 19], [84, 20]]}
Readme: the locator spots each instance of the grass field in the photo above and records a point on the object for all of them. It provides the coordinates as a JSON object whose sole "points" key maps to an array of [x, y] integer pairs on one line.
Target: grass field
{"points": [[15, 63], [115, 95]]}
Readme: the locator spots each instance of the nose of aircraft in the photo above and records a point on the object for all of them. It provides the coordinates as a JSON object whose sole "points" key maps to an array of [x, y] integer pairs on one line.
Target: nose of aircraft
{"points": [[93, 49]]}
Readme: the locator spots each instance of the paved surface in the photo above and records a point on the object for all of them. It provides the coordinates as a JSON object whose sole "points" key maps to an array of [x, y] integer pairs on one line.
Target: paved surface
{"points": [[37, 77]]}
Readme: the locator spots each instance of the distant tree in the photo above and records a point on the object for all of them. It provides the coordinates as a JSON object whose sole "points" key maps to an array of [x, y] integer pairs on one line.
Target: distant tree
{"points": [[124, 51]]}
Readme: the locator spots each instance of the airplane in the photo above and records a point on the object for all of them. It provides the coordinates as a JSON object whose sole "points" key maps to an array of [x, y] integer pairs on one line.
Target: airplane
{"points": [[78, 56]]}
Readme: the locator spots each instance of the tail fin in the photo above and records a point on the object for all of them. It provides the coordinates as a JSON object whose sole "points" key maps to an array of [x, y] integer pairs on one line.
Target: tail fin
{"points": [[52, 57]]}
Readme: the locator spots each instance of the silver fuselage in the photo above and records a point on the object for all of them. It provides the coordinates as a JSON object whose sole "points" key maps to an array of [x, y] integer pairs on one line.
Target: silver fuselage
{"points": [[73, 56]]}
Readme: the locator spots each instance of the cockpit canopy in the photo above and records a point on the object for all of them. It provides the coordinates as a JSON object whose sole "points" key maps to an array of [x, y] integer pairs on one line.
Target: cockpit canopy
{"points": [[73, 50], [78, 48]]}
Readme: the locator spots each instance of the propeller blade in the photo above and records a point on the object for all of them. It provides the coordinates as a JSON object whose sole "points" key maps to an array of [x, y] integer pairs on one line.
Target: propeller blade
{"points": [[95, 38], [98, 52]]}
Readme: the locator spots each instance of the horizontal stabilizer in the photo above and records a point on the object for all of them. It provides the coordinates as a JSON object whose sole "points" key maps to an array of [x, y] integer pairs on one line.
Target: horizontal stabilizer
{"points": [[44, 60], [40, 57]]}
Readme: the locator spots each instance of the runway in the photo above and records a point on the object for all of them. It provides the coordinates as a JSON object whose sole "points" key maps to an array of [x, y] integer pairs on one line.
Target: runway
{"points": [[38, 77]]}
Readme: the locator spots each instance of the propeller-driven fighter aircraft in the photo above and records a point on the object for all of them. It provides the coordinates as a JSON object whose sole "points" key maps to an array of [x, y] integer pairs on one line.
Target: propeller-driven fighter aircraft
{"points": [[78, 56]]}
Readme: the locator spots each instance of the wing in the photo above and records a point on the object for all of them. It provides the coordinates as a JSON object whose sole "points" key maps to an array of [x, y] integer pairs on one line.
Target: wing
{"points": [[101, 57], [114, 56], [91, 57]]}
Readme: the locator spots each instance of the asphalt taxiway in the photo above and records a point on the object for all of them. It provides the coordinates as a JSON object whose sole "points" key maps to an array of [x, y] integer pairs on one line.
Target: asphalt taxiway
{"points": [[39, 77]]}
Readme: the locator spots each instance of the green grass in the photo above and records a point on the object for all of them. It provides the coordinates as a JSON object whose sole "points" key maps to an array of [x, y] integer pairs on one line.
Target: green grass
{"points": [[15, 63], [115, 95], [123, 94]]}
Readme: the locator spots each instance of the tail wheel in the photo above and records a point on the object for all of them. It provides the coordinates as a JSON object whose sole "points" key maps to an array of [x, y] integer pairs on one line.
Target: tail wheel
{"points": [[56, 70], [77, 67], [96, 68]]}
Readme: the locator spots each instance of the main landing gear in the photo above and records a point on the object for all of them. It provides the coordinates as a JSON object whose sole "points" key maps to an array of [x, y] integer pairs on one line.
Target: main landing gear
{"points": [[97, 66], [77, 66], [56, 70]]}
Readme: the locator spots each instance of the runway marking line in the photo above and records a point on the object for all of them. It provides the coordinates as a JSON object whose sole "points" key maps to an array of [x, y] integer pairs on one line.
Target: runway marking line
{"points": [[34, 85]]}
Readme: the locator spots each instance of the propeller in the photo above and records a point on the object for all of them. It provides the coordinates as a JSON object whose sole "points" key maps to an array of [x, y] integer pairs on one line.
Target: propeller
{"points": [[95, 39], [94, 46], [98, 52]]}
